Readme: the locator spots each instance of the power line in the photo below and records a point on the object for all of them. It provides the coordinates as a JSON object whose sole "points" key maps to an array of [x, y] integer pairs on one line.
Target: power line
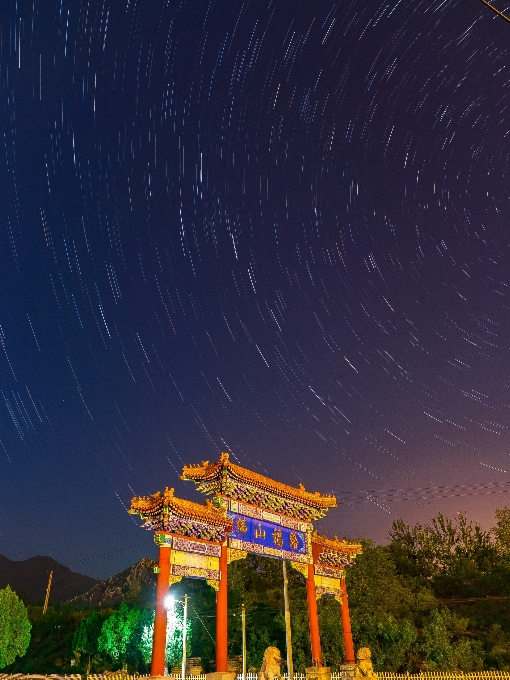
{"points": [[368, 496], [198, 616], [422, 493]]}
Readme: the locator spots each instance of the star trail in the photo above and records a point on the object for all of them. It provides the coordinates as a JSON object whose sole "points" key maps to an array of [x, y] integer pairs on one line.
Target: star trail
{"points": [[273, 228]]}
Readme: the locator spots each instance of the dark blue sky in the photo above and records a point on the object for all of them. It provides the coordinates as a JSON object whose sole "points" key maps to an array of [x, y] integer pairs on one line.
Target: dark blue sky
{"points": [[274, 228]]}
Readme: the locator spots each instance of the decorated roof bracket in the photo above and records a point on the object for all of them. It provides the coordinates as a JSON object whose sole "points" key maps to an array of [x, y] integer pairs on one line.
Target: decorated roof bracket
{"points": [[249, 513], [193, 532], [224, 479]]}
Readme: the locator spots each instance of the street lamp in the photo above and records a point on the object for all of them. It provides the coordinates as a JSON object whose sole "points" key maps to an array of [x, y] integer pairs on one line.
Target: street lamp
{"points": [[170, 603]]}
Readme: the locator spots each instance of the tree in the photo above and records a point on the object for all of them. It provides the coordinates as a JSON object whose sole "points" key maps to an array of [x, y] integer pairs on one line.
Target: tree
{"points": [[86, 637], [14, 627], [145, 635], [445, 546], [173, 649], [445, 645], [502, 532], [117, 632]]}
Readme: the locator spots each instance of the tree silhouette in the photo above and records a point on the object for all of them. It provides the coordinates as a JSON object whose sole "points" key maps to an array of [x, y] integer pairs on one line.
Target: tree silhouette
{"points": [[14, 627]]}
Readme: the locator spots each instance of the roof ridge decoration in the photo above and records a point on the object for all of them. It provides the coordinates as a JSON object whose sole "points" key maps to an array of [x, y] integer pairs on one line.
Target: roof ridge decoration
{"points": [[334, 553], [342, 547], [224, 477], [161, 511]]}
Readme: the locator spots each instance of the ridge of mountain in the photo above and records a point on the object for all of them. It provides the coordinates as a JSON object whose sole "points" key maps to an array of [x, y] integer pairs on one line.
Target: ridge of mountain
{"points": [[134, 584], [29, 578]]}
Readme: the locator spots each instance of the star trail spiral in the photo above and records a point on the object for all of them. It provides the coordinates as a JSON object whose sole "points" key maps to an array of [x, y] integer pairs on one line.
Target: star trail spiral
{"points": [[273, 228]]}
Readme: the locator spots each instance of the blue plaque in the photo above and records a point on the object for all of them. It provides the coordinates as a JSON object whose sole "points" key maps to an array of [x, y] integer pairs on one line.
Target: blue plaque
{"points": [[267, 538]]}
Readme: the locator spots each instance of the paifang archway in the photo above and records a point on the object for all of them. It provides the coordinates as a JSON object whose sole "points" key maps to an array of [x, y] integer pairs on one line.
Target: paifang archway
{"points": [[248, 513]]}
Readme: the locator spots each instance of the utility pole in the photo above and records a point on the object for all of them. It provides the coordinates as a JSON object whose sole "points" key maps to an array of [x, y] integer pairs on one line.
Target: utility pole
{"points": [[47, 594], [184, 625], [243, 619], [288, 635]]}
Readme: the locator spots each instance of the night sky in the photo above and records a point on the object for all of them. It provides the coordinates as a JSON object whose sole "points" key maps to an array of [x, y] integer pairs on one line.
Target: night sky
{"points": [[270, 227]]}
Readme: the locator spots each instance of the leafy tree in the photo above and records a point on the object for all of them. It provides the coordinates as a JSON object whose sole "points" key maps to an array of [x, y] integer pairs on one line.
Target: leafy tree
{"points": [[14, 627], [502, 532], [445, 645], [332, 640], [391, 641], [451, 546], [385, 606], [497, 644], [117, 632], [173, 649], [174, 642], [85, 640], [145, 635], [376, 590]]}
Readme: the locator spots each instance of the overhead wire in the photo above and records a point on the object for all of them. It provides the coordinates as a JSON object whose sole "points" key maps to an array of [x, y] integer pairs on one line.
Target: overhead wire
{"points": [[422, 493], [367, 496]]}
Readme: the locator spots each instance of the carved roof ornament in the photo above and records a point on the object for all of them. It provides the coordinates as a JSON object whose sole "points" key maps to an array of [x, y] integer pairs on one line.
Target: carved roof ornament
{"points": [[336, 545], [210, 478], [168, 504]]}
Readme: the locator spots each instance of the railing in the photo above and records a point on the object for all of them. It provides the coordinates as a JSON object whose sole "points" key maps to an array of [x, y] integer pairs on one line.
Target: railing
{"points": [[443, 675], [382, 675], [34, 676]]}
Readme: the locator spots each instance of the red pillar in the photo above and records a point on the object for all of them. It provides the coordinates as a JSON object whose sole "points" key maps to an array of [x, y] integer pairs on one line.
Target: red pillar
{"points": [[313, 617], [346, 626], [159, 640], [221, 617]]}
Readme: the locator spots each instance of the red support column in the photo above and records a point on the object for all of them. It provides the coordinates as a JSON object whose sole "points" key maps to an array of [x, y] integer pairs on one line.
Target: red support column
{"points": [[346, 626], [159, 640], [221, 616], [313, 617]]}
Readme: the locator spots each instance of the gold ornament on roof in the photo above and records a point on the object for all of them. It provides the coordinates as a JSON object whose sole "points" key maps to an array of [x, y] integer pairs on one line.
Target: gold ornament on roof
{"points": [[209, 472], [336, 545], [168, 502]]}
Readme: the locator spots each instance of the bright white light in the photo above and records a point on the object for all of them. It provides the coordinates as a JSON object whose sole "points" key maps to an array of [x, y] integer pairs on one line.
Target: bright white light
{"points": [[170, 602]]}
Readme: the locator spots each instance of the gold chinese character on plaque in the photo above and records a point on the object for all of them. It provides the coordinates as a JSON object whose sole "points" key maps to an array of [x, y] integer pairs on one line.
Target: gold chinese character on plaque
{"points": [[259, 531], [242, 527], [294, 543], [278, 538]]}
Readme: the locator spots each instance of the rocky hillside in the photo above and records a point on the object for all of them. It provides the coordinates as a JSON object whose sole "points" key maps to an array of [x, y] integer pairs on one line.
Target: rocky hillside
{"points": [[135, 584], [29, 579]]}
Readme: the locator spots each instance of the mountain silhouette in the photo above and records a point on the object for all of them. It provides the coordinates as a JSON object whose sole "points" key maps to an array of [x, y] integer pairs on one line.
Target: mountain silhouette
{"points": [[134, 584], [29, 578]]}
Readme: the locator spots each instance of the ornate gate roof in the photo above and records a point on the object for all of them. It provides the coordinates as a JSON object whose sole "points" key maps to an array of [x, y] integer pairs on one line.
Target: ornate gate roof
{"points": [[226, 479], [166, 513]]}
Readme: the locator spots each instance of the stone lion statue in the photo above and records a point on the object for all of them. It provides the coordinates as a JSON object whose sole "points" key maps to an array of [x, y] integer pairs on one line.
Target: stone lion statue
{"points": [[271, 665], [364, 668]]}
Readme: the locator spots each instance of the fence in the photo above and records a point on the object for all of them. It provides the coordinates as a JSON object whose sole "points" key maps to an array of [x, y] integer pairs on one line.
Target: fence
{"points": [[443, 675], [429, 675]]}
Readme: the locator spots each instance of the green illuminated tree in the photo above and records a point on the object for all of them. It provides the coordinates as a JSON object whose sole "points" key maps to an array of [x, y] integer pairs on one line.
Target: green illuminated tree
{"points": [[14, 627], [117, 633], [173, 649], [146, 625]]}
